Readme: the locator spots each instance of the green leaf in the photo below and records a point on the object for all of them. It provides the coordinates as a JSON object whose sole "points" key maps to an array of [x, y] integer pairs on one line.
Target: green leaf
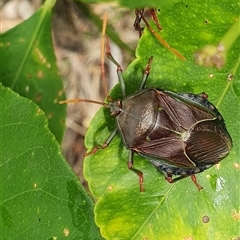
{"points": [[179, 210], [136, 3], [41, 198], [29, 65]]}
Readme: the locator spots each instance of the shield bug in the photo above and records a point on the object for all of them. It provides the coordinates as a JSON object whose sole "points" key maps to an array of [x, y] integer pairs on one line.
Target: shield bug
{"points": [[179, 133]]}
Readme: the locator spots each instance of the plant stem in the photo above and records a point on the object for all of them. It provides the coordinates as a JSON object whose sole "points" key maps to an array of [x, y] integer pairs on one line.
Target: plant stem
{"points": [[230, 37], [49, 4]]}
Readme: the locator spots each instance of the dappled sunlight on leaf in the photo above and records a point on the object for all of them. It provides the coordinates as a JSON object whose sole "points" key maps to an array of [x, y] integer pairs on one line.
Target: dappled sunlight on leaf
{"points": [[177, 211]]}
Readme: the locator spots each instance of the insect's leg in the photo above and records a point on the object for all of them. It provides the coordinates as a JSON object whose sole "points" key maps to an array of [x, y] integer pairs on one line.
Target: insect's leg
{"points": [[160, 39], [194, 179], [139, 13], [155, 18], [168, 177], [138, 172], [146, 72], [105, 144], [203, 95], [119, 69], [137, 21]]}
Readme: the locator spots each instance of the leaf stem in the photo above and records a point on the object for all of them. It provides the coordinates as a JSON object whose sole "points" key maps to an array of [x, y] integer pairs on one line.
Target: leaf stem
{"points": [[215, 55], [49, 3], [230, 37], [233, 73]]}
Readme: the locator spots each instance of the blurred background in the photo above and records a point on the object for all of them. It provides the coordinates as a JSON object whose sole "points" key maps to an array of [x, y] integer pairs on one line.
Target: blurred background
{"points": [[76, 29]]}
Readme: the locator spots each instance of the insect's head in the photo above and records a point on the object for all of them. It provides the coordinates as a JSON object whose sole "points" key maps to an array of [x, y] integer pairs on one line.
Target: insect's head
{"points": [[115, 107]]}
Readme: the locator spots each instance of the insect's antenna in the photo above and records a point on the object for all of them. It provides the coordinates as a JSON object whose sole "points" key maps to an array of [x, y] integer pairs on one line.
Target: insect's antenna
{"points": [[104, 27], [102, 70], [178, 54], [83, 100]]}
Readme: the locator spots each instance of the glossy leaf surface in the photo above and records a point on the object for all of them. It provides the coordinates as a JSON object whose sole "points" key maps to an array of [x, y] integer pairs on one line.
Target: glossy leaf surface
{"points": [[41, 198], [179, 210]]}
